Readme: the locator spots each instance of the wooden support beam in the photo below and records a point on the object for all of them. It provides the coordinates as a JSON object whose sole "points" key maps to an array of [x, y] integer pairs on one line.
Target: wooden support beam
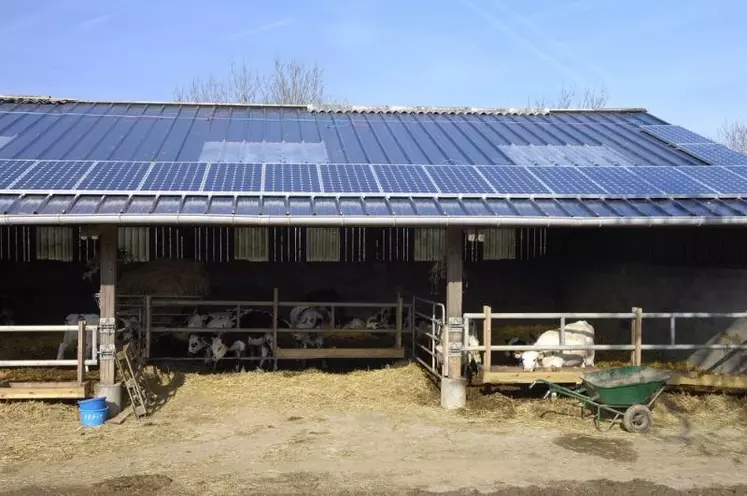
{"points": [[108, 298], [454, 274], [275, 317], [487, 336], [319, 353]]}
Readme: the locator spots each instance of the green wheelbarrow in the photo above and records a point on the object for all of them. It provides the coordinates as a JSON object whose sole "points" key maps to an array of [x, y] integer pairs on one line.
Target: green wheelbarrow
{"points": [[627, 392]]}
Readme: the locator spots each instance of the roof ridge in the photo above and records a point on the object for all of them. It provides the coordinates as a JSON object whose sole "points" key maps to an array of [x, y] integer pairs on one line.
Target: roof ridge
{"points": [[330, 108]]}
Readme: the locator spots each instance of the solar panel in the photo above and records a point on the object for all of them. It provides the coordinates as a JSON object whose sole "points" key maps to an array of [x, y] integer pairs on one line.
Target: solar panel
{"points": [[183, 176], [348, 179], [716, 154], [670, 180], [11, 169], [291, 178], [234, 177], [674, 134], [458, 179], [404, 179], [718, 178], [512, 180], [120, 176], [566, 181], [52, 174], [619, 181]]}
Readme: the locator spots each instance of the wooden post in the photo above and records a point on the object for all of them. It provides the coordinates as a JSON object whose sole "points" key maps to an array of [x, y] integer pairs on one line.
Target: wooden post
{"points": [[487, 336], [147, 319], [632, 337], [398, 336], [638, 335], [453, 296], [108, 260], [81, 350], [275, 310]]}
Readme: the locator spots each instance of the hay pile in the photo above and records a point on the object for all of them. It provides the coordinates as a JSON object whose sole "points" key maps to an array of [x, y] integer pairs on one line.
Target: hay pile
{"points": [[166, 277]]}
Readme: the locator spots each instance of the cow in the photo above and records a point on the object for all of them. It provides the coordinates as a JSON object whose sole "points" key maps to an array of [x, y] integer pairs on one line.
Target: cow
{"points": [[70, 338], [579, 333]]}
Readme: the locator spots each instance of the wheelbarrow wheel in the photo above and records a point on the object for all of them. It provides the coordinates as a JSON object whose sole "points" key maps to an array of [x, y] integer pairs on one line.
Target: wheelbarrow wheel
{"points": [[637, 419]]}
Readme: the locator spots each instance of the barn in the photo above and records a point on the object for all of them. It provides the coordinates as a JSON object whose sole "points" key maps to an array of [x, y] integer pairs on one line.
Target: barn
{"points": [[434, 214]]}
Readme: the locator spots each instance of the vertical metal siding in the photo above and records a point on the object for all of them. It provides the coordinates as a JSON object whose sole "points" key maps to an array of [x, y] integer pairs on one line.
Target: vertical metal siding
{"points": [[499, 244], [136, 242], [252, 244], [322, 244], [430, 244], [54, 243]]}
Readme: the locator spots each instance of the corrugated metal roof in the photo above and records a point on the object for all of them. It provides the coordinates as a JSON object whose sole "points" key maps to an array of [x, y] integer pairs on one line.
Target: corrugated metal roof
{"points": [[102, 142], [305, 210], [76, 130]]}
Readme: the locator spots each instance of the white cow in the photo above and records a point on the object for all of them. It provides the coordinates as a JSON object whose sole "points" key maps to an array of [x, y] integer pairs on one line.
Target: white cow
{"points": [[577, 333], [70, 338]]}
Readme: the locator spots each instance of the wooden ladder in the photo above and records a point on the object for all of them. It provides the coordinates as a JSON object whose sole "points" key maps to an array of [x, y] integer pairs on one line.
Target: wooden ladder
{"points": [[133, 381]]}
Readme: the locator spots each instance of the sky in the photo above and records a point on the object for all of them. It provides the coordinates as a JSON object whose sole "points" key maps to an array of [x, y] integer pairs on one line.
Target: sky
{"points": [[683, 60]]}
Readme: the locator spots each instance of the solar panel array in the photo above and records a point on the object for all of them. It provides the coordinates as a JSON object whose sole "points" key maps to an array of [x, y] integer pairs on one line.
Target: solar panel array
{"points": [[364, 179], [694, 144]]}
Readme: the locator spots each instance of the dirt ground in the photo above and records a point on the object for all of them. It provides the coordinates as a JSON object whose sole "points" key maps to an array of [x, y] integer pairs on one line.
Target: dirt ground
{"points": [[375, 432]]}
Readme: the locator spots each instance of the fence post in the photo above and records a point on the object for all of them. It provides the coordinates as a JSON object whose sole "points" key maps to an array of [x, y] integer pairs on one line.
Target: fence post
{"points": [[638, 335], [275, 309], [148, 318], [398, 336], [632, 336], [487, 336], [81, 350]]}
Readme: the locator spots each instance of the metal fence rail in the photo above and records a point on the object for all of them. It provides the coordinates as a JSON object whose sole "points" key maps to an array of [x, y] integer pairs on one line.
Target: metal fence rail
{"points": [[92, 360], [637, 317], [428, 340]]}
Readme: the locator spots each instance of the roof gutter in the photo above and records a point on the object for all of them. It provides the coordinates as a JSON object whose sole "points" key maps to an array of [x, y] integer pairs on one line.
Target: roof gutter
{"points": [[403, 221]]}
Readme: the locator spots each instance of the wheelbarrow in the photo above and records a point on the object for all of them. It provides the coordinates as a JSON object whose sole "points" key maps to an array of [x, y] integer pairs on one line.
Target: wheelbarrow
{"points": [[627, 392]]}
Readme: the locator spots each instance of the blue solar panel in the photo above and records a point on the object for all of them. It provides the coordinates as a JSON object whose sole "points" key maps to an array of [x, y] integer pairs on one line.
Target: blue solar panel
{"points": [[670, 180], [566, 181], [716, 154], [348, 179], [619, 181], [234, 177], [175, 177], [50, 174], [404, 179], [718, 178], [291, 178], [120, 176], [11, 169], [458, 179], [674, 134], [512, 180]]}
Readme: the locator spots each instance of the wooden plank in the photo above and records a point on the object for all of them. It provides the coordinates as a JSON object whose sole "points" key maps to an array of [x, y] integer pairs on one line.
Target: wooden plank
{"points": [[513, 375], [44, 391], [121, 417], [318, 353]]}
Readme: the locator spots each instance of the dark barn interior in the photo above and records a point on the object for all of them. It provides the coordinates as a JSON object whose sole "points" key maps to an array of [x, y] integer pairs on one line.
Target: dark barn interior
{"points": [[509, 269]]}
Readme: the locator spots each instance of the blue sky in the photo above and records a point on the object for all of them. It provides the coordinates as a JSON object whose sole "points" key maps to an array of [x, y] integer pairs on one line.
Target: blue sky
{"points": [[683, 60]]}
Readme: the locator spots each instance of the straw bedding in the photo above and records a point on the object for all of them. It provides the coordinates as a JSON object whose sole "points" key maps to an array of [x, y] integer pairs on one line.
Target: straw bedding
{"points": [[165, 276]]}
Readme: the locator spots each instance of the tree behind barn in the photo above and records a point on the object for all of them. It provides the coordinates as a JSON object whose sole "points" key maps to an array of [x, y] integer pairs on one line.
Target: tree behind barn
{"points": [[734, 135], [289, 82]]}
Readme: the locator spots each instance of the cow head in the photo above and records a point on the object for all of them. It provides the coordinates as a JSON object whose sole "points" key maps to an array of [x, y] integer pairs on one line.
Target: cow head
{"points": [[311, 318], [269, 340], [196, 320], [218, 348], [530, 359], [196, 343]]}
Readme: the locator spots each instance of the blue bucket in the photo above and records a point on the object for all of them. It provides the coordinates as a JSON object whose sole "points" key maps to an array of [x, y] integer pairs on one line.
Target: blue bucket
{"points": [[90, 418], [92, 404]]}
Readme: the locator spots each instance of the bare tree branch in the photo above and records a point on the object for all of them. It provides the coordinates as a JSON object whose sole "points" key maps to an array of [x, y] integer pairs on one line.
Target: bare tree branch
{"points": [[289, 83], [593, 98], [734, 135]]}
